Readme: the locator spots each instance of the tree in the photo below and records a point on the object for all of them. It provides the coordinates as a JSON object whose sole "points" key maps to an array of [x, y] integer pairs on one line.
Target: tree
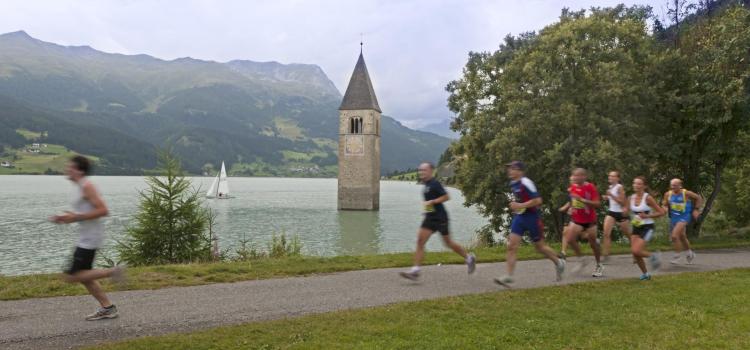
{"points": [[172, 226], [565, 98], [704, 102]]}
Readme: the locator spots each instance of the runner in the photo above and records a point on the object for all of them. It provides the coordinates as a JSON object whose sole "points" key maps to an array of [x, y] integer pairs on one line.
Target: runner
{"points": [[567, 211], [584, 200], [435, 219], [617, 212], [88, 208], [525, 208], [644, 209], [683, 205]]}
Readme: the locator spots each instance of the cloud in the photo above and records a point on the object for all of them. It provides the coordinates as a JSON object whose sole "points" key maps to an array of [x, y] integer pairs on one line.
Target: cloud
{"points": [[413, 48]]}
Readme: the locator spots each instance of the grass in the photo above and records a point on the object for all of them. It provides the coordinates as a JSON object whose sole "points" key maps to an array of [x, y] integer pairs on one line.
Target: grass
{"points": [[28, 134], [53, 157], [155, 277], [683, 311]]}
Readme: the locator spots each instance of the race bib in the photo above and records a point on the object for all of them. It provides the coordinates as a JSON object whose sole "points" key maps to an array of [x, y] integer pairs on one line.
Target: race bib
{"points": [[677, 207], [636, 221], [578, 204], [429, 208], [520, 211]]}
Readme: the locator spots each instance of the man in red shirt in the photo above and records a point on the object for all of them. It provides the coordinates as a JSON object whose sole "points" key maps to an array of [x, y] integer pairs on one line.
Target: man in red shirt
{"points": [[584, 200]]}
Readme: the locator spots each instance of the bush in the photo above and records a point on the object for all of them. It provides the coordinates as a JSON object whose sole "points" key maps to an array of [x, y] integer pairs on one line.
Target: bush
{"points": [[278, 247], [172, 225]]}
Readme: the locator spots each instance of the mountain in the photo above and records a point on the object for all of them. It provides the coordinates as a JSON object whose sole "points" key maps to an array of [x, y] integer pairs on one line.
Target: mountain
{"points": [[262, 118], [442, 128]]}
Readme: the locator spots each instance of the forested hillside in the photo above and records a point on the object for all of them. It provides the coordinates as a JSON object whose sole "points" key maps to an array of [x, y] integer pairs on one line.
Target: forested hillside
{"points": [[261, 118]]}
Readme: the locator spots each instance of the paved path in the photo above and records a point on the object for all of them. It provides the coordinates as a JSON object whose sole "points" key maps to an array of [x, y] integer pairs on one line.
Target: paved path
{"points": [[57, 323]]}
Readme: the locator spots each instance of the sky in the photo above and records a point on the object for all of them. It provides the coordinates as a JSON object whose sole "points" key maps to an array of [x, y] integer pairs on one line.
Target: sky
{"points": [[413, 48]]}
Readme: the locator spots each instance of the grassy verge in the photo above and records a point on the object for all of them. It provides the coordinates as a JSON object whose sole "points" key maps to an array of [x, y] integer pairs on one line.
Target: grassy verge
{"points": [[672, 312], [154, 277]]}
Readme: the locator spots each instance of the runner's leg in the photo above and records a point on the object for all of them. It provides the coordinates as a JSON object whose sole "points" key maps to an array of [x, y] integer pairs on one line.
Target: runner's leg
{"points": [[564, 240], [574, 230], [89, 275], [677, 229], [609, 224], [454, 246], [595, 247], [423, 235], [96, 291], [638, 248], [514, 240]]}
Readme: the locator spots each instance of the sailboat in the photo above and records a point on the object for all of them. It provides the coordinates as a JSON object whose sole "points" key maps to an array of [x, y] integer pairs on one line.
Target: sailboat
{"points": [[220, 187]]}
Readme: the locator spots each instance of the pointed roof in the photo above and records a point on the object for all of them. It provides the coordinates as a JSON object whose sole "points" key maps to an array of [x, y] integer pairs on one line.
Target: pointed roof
{"points": [[360, 94]]}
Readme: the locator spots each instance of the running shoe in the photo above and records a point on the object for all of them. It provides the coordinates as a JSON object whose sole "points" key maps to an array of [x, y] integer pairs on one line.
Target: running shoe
{"points": [[560, 269], [103, 313], [690, 257], [505, 281], [675, 260], [598, 271], [410, 275], [471, 262], [645, 277], [655, 260]]}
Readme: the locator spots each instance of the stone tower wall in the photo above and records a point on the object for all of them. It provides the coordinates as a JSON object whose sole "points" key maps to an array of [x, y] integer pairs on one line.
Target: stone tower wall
{"points": [[359, 161]]}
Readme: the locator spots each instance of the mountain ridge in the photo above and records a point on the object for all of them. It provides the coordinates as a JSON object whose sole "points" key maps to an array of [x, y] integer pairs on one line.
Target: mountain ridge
{"points": [[260, 115]]}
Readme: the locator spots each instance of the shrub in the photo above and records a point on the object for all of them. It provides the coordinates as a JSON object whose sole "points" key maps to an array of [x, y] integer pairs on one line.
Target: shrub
{"points": [[172, 225]]}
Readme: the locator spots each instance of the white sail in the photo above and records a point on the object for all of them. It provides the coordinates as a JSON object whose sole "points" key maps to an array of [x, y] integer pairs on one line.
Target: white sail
{"points": [[223, 190], [214, 185]]}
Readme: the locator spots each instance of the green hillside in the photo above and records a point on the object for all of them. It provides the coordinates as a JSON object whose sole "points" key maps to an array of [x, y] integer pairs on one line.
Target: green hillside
{"points": [[261, 118]]}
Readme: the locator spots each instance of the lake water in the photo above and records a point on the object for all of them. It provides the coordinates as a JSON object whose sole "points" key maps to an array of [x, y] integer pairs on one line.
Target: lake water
{"points": [[260, 208]]}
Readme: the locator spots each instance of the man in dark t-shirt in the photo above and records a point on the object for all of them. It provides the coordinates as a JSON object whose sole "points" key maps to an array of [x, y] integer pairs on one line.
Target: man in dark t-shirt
{"points": [[435, 220]]}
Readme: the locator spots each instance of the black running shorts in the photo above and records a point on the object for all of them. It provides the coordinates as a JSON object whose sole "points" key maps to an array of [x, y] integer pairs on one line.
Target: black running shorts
{"points": [[83, 259], [436, 224], [619, 217]]}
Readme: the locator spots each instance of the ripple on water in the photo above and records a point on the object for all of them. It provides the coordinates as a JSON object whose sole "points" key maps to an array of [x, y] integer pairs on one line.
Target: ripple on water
{"points": [[261, 207]]}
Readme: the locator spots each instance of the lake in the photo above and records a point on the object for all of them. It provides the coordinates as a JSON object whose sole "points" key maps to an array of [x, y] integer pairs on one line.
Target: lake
{"points": [[260, 208]]}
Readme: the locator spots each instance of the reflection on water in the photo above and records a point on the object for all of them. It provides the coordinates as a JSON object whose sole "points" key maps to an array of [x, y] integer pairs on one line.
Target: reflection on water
{"points": [[359, 232], [258, 209]]}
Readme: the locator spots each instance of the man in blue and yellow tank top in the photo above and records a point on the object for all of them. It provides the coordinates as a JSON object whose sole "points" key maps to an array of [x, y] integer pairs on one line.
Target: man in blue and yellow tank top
{"points": [[683, 206]]}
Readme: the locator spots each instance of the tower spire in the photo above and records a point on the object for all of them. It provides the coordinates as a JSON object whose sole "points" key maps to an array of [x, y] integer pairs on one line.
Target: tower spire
{"points": [[361, 42], [360, 94]]}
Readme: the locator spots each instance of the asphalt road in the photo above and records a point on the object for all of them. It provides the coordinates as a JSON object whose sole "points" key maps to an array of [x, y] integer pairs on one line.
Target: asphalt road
{"points": [[57, 323]]}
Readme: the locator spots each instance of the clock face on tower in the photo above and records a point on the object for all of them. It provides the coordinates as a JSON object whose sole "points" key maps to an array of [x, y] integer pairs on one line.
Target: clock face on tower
{"points": [[354, 145]]}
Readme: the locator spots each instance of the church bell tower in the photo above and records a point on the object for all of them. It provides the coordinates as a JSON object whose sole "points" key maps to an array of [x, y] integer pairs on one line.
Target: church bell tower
{"points": [[359, 144]]}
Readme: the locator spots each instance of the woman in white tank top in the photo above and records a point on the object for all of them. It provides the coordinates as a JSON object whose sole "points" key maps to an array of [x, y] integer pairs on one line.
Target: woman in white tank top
{"points": [[616, 214], [643, 210]]}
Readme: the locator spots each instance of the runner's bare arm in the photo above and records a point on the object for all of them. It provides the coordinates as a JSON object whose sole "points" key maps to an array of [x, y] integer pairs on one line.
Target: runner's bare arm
{"points": [[442, 199], [565, 207], [92, 195], [622, 200], [658, 210], [698, 200]]}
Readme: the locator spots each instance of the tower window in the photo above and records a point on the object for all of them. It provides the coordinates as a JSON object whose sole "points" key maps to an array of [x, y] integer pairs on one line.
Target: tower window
{"points": [[356, 125]]}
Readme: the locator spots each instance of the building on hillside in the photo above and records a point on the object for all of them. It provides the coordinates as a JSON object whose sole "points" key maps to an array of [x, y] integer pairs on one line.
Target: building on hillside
{"points": [[6, 164], [359, 143]]}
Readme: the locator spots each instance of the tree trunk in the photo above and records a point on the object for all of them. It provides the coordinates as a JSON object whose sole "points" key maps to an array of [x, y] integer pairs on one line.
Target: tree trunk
{"points": [[718, 169]]}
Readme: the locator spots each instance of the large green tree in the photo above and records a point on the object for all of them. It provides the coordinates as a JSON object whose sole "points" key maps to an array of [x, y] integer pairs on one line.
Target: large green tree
{"points": [[704, 90], [564, 98], [599, 90]]}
